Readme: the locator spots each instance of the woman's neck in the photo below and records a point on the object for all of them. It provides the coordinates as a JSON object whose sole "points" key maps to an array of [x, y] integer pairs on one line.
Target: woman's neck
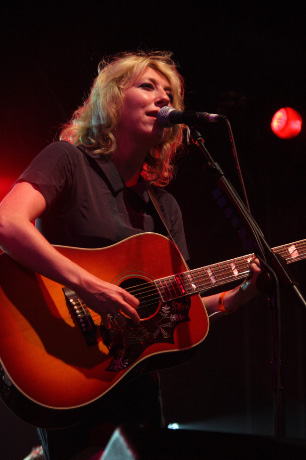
{"points": [[129, 168], [129, 163]]}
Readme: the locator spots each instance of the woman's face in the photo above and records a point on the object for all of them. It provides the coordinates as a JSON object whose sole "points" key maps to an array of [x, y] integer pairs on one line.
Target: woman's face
{"points": [[141, 103]]}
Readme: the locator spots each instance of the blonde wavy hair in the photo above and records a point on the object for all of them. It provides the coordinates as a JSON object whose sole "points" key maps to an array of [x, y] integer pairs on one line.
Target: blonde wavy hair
{"points": [[94, 123]]}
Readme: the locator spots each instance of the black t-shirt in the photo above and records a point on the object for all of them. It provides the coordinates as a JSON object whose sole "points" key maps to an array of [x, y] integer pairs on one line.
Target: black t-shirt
{"points": [[88, 204]]}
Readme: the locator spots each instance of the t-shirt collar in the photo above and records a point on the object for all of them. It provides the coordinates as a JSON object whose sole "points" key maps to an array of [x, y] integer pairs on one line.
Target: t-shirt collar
{"points": [[115, 180]]}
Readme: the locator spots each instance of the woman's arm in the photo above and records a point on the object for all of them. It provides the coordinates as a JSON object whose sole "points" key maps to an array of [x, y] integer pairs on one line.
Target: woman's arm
{"points": [[25, 244]]}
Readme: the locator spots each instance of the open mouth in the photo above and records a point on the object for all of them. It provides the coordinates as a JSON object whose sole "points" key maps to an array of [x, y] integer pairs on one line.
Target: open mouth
{"points": [[152, 114]]}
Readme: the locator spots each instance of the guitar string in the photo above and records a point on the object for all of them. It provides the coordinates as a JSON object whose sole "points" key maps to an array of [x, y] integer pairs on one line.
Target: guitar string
{"points": [[202, 275], [221, 268], [199, 276], [217, 269], [152, 294], [203, 281], [153, 299], [299, 247], [206, 285]]}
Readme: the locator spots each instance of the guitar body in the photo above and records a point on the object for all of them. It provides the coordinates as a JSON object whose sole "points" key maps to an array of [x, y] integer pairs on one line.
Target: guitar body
{"points": [[58, 370]]}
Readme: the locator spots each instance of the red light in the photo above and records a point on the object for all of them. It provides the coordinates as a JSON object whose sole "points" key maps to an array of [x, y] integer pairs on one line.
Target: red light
{"points": [[286, 123]]}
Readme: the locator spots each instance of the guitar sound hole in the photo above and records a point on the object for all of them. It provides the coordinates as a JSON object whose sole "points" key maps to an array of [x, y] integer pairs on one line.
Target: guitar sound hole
{"points": [[147, 295]]}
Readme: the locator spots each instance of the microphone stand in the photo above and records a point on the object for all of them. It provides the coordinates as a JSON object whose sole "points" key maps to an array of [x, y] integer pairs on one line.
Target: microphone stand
{"points": [[274, 267]]}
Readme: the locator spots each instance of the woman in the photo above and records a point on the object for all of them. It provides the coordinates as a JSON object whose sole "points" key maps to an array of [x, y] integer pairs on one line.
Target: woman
{"points": [[90, 190]]}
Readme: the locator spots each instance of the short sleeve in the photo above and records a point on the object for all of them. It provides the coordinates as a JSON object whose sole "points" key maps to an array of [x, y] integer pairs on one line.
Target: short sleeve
{"points": [[52, 170]]}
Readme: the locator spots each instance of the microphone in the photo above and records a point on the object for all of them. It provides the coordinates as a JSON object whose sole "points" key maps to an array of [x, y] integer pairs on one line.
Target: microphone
{"points": [[168, 116]]}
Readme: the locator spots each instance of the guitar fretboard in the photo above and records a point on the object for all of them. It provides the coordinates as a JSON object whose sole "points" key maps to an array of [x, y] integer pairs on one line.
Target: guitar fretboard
{"points": [[205, 278]]}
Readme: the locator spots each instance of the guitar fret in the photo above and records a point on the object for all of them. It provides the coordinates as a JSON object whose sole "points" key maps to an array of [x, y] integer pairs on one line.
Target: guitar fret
{"points": [[215, 270], [233, 268], [186, 284], [177, 286], [218, 274], [167, 288], [211, 275], [171, 287], [189, 282], [293, 252], [204, 278]]}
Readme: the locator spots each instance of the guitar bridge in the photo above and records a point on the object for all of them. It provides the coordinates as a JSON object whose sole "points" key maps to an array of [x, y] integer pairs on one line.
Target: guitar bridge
{"points": [[81, 315]]}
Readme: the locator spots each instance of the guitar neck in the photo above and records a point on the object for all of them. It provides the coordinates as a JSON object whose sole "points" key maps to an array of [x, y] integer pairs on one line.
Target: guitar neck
{"points": [[203, 279]]}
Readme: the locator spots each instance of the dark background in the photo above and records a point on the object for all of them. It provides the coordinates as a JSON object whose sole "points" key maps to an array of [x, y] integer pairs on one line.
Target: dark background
{"points": [[245, 60]]}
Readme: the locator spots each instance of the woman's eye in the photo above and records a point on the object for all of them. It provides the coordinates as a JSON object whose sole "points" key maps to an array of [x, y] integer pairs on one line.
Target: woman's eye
{"points": [[151, 87], [147, 85], [170, 96]]}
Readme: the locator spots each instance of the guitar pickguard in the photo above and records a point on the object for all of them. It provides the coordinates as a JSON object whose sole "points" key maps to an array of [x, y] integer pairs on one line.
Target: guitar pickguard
{"points": [[126, 342]]}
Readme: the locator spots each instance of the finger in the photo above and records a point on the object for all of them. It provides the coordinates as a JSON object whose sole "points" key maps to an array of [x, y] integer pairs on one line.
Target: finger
{"points": [[255, 269], [130, 299], [254, 265], [131, 312]]}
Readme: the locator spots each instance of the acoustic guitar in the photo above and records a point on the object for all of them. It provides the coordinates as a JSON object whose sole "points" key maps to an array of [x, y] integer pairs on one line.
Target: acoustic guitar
{"points": [[59, 361]]}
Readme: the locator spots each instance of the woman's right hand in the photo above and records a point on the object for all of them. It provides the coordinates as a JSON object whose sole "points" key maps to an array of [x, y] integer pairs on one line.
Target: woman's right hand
{"points": [[108, 299]]}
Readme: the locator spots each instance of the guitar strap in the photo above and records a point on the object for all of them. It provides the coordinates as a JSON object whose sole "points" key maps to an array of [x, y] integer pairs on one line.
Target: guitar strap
{"points": [[155, 202]]}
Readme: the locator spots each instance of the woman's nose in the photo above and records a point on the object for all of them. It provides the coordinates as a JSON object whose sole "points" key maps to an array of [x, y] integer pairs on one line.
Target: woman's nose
{"points": [[163, 98]]}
